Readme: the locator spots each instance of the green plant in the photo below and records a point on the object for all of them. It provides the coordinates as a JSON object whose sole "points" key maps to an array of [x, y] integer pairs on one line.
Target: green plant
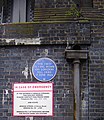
{"points": [[73, 11]]}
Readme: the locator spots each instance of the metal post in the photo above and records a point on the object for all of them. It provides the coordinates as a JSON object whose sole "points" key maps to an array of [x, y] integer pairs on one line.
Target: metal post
{"points": [[76, 89]]}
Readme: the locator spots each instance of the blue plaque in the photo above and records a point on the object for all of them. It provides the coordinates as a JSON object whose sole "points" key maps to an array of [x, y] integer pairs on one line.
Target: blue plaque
{"points": [[44, 69]]}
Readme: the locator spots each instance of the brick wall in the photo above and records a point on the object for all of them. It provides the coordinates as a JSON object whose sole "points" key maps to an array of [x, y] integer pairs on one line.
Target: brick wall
{"points": [[52, 3], [57, 33], [98, 4], [50, 40], [33, 5], [96, 69], [21, 44], [54, 38], [14, 60]]}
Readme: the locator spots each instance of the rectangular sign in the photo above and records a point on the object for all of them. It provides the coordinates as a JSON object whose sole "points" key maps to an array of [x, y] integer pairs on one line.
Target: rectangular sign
{"points": [[33, 99]]}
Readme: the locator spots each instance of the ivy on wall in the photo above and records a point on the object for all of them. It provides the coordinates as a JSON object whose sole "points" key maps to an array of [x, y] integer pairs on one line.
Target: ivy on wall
{"points": [[74, 11]]}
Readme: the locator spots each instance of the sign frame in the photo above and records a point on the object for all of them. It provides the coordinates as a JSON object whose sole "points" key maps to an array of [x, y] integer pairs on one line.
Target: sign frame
{"points": [[43, 72], [44, 89]]}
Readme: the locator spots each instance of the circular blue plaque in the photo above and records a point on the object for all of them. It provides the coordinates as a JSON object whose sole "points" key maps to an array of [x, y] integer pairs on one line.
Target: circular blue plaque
{"points": [[44, 69]]}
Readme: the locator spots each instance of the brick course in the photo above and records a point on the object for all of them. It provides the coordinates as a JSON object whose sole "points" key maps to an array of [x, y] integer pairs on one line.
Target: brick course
{"points": [[57, 33]]}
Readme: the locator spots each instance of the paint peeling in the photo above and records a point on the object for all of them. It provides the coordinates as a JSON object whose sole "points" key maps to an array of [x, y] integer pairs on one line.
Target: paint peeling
{"points": [[56, 106], [24, 41], [6, 92], [46, 52], [84, 103], [28, 118], [31, 75], [4, 30], [25, 72], [3, 98], [68, 91]]}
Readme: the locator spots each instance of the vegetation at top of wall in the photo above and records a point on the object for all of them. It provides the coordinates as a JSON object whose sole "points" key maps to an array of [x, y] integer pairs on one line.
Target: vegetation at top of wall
{"points": [[74, 11]]}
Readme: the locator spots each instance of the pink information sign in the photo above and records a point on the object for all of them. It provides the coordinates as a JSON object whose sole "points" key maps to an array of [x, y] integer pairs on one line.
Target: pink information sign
{"points": [[33, 99]]}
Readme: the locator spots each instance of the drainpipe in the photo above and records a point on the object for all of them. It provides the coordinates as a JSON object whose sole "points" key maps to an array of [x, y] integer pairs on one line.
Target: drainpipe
{"points": [[2, 14], [77, 56], [76, 89]]}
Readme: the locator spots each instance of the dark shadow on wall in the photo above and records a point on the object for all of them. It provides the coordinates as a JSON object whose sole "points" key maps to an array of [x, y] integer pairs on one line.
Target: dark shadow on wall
{"points": [[99, 118]]}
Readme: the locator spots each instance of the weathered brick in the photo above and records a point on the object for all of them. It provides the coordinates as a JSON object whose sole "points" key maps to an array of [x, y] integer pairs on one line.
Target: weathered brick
{"points": [[50, 40]]}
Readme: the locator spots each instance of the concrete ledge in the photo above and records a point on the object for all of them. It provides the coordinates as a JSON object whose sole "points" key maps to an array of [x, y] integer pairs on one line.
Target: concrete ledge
{"points": [[44, 34], [76, 54]]}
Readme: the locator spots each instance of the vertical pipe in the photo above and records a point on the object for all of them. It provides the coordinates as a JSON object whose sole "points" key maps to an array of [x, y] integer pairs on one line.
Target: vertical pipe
{"points": [[2, 14], [76, 89]]}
